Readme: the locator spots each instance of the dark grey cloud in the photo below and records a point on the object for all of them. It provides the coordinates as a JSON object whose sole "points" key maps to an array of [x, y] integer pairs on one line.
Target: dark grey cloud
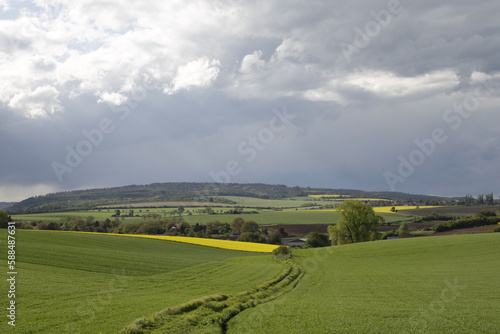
{"points": [[176, 93]]}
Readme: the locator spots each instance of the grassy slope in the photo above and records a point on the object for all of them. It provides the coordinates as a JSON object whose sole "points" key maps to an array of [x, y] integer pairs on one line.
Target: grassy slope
{"points": [[91, 283], [421, 285]]}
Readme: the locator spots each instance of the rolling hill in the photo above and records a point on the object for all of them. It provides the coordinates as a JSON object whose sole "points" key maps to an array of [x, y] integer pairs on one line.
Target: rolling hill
{"points": [[185, 191]]}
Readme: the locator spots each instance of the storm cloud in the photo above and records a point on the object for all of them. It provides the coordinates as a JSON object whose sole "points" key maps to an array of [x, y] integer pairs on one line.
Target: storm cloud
{"points": [[375, 95]]}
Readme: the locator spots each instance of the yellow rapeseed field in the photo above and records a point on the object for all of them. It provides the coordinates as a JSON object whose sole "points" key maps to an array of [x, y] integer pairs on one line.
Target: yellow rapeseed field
{"points": [[224, 244], [387, 209], [379, 209]]}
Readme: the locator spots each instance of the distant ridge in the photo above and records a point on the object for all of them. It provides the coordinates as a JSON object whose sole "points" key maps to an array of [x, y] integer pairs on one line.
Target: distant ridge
{"points": [[184, 191], [4, 205]]}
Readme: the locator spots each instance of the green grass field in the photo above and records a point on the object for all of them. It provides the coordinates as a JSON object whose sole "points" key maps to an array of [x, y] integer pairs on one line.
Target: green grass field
{"points": [[276, 203], [420, 285], [78, 283]]}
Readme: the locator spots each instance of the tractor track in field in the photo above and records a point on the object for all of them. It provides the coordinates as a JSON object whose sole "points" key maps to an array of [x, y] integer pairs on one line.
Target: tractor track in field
{"points": [[215, 311]]}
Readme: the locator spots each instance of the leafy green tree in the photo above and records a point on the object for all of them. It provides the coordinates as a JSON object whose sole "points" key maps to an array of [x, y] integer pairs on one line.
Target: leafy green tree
{"points": [[315, 239], [213, 227], [180, 210], [283, 233], [489, 199], [469, 200], [4, 219], [236, 225], [274, 238], [480, 199], [357, 223], [404, 230], [249, 226], [151, 228], [251, 237], [224, 229]]}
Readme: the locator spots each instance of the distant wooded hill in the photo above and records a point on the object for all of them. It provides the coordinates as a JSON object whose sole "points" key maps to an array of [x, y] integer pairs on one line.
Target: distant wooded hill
{"points": [[4, 205], [186, 191]]}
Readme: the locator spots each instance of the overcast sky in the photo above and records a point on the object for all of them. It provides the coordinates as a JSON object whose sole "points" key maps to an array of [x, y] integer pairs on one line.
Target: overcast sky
{"points": [[373, 95]]}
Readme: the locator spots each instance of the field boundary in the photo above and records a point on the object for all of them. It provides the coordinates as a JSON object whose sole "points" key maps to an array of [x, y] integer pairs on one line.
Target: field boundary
{"points": [[210, 314]]}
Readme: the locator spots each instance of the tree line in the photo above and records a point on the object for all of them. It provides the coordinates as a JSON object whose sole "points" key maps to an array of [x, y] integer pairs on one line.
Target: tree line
{"points": [[239, 229], [482, 199]]}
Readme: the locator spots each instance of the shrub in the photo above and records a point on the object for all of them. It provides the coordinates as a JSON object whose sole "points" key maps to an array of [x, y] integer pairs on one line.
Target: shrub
{"points": [[26, 226], [435, 216], [282, 251], [496, 229], [465, 223], [486, 213], [387, 234]]}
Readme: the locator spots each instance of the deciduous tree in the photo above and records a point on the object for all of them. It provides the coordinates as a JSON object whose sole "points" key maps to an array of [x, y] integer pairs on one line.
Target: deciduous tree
{"points": [[357, 223]]}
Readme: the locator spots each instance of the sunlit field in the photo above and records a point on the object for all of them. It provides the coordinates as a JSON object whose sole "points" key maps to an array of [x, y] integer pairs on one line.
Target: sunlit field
{"points": [[420, 285], [98, 283]]}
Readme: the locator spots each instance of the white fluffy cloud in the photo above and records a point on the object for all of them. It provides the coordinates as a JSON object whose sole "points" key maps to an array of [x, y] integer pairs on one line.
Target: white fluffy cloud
{"points": [[115, 99], [389, 84], [197, 73], [4, 5], [40, 102], [185, 71]]}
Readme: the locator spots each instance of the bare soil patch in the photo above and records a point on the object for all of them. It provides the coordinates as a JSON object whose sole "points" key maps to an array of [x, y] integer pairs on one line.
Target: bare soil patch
{"points": [[458, 210], [470, 230]]}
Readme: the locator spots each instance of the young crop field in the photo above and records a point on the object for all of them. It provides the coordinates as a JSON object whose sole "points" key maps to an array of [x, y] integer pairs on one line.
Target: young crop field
{"points": [[421, 285], [263, 218], [170, 204], [275, 203], [92, 283], [347, 197]]}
